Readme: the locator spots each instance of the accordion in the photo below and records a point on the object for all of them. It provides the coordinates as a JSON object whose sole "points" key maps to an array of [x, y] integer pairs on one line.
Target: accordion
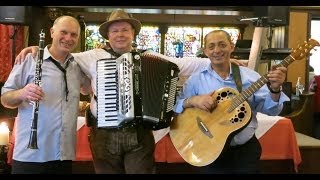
{"points": [[134, 87]]}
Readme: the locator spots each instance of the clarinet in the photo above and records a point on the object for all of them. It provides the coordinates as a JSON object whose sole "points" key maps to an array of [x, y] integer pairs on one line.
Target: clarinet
{"points": [[37, 80]]}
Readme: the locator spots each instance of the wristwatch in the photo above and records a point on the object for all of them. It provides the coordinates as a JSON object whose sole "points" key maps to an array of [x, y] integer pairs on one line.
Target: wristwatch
{"points": [[274, 91]]}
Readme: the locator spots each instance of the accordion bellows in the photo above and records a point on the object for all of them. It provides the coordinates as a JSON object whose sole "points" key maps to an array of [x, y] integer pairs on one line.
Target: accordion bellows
{"points": [[138, 88]]}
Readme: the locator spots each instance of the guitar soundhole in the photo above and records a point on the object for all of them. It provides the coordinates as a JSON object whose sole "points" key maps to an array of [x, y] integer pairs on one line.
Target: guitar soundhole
{"points": [[241, 114], [225, 94]]}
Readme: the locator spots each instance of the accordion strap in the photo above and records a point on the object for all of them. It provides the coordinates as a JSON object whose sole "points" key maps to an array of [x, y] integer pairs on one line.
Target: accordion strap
{"points": [[111, 51]]}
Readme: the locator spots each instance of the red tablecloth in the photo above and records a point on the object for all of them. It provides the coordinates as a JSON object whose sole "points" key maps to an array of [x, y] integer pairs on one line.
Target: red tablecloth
{"points": [[278, 143], [83, 152]]}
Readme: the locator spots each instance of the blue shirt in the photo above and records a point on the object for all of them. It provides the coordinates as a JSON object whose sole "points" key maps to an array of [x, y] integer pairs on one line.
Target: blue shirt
{"points": [[57, 119], [207, 81]]}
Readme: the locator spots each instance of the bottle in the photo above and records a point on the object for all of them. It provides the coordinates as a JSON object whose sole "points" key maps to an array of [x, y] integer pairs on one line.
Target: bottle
{"points": [[298, 86]]}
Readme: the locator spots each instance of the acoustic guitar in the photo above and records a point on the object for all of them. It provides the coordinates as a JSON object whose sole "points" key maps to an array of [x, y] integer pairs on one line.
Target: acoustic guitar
{"points": [[200, 136]]}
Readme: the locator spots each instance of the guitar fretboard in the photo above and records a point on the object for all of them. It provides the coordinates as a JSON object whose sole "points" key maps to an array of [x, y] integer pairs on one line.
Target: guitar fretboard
{"points": [[240, 98]]}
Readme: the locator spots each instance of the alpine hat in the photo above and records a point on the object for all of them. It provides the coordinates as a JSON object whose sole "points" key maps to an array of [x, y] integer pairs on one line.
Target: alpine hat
{"points": [[117, 16]]}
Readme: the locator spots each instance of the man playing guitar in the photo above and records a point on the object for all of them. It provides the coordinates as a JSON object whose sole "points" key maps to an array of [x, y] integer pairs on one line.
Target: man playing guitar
{"points": [[242, 152]]}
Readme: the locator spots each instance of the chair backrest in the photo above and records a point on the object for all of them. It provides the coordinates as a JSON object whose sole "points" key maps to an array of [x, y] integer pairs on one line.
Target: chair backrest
{"points": [[302, 117], [317, 93]]}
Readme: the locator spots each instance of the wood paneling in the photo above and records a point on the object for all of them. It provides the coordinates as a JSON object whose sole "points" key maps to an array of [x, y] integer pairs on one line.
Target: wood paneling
{"points": [[298, 33]]}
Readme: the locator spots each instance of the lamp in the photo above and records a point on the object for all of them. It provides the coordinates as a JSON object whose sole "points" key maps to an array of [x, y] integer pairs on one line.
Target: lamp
{"points": [[4, 134]]}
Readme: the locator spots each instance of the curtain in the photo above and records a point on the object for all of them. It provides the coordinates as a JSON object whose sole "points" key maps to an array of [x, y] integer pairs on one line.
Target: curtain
{"points": [[6, 43]]}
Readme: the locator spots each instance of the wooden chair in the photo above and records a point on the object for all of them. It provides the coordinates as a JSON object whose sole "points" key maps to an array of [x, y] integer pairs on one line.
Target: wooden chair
{"points": [[302, 116]]}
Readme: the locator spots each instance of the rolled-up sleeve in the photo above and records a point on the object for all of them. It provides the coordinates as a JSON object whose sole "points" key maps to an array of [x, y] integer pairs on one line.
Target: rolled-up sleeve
{"points": [[186, 92], [272, 107]]}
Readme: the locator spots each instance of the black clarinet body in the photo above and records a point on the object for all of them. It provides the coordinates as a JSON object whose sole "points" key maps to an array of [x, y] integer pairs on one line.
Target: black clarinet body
{"points": [[37, 80]]}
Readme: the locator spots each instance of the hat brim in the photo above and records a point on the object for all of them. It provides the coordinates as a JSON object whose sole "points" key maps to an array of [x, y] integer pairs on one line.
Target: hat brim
{"points": [[103, 29]]}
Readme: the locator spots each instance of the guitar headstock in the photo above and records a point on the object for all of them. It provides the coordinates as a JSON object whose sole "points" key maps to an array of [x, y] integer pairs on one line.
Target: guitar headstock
{"points": [[304, 49]]}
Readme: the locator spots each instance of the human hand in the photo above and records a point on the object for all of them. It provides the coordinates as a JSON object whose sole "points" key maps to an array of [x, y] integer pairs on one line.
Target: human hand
{"points": [[239, 62], [82, 107], [276, 77], [204, 102], [21, 56], [31, 92], [100, 46]]}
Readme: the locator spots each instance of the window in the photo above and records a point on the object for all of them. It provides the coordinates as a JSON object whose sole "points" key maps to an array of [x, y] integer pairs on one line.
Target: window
{"points": [[182, 41], [149, 38], [93, 37], [315, 58]]}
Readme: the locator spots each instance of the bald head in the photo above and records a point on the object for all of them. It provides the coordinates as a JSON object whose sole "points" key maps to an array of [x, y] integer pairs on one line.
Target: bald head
{"points": [[65, 34], [227, 35], [65, 20]]}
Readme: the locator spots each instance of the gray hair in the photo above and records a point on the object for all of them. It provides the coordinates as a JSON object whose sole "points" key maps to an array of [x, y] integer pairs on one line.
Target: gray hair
{"points": [[217, 31]]}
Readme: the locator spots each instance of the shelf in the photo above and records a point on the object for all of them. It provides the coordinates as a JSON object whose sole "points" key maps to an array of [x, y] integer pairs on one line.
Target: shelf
{"points": [[267, 54]]}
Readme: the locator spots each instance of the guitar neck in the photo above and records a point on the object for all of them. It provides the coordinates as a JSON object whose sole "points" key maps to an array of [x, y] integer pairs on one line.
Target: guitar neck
{"points": [[244, 95], [299, 53], [263, 80]]}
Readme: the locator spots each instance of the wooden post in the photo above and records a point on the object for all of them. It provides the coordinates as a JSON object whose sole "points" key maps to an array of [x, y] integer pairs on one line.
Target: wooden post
{"points": [[258, 42]]}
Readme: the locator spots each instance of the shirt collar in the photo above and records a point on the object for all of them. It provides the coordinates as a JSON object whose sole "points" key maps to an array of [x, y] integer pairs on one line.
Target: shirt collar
{"points": [[209, 70], [47, 54]]}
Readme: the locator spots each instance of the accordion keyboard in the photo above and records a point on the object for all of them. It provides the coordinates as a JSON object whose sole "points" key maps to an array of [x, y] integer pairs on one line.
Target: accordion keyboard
{"points": [[114, 92], [136, 88]]}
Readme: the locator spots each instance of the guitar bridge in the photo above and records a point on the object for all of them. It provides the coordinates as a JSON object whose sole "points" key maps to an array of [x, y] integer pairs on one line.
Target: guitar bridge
{"points": [[203, 127]]}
